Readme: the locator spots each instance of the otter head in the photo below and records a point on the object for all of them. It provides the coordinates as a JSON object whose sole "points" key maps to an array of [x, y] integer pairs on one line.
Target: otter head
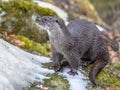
{"points": [[49, 23]]}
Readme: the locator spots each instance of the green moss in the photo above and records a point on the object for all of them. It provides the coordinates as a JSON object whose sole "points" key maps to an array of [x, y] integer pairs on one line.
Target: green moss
{"points": [[48, 65], [33, 46], [56, 82], [34, 86], [104, 78], [47, 46], [115, 67], [107, 79]]}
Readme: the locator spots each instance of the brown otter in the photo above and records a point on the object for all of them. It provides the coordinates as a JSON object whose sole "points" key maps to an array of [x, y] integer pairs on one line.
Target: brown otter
{"points": [[80, 43]]}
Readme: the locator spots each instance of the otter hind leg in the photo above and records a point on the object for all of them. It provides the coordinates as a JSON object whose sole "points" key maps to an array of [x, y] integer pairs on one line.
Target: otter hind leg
{"points": [[97, 67]]}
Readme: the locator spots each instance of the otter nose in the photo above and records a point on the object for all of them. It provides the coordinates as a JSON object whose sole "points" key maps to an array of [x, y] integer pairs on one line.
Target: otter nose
{"points": [[37, 20]]}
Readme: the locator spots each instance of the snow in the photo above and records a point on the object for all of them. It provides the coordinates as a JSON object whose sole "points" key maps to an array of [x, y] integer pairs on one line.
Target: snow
{"points": [[100, 28], [76, 82], [4, 0], [62, 14], [18, 69]]}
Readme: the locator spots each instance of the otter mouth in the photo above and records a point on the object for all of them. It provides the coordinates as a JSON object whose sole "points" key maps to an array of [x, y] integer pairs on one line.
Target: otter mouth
{"points": [[42, 27], [39, 21], [41, 24]]}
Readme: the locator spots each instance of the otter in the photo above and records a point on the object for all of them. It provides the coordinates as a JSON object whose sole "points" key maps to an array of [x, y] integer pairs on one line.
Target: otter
{"points": [[80, 42]]}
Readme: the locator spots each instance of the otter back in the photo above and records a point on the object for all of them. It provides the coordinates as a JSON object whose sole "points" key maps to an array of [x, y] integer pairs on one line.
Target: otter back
{"points": [[85, 34]]}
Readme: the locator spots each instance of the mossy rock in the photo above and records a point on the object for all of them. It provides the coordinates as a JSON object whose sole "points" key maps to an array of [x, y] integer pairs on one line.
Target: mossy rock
{"points": [[106, 79], [56, 82], [22, 7], [37, 34], [19, 18], [33, 46]]}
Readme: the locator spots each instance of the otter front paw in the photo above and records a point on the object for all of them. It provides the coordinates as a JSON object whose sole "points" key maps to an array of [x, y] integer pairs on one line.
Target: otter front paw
{"points": [[72, 73], [56, 67]]}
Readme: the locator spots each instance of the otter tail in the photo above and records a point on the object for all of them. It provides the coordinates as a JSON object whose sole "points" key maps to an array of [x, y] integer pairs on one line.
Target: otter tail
{"points": [[97, 67]]}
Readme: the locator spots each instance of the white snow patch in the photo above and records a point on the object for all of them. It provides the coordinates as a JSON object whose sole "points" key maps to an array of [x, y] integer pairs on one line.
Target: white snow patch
{"points": [[76, 82], [100, 28], [19, 68], [4, 0], [5, 83], [2, 14], [59, 11]]}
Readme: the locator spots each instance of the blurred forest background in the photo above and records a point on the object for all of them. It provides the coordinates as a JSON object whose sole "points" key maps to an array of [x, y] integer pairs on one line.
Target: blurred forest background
{"points": [[17, 26]]}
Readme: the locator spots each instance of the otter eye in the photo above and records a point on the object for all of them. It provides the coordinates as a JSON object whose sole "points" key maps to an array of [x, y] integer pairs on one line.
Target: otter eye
{"points": [[45, 19], [57, 21]]}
